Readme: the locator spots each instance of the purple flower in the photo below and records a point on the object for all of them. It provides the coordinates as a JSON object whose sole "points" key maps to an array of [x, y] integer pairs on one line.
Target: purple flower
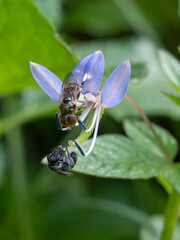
{"points": [[89, 72]]}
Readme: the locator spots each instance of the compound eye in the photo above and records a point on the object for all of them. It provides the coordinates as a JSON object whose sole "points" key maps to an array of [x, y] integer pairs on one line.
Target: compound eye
{"points": [[56, 155], [53, 157], [74, 156], [67, 99]]}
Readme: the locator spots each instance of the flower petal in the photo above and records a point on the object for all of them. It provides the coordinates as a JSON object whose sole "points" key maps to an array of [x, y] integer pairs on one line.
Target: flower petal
{"points": [[47, 80], [80, 68], [115, 88], [90, 71]]}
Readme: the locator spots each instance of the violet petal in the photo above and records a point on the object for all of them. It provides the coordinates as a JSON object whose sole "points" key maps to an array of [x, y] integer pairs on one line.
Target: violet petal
{"points": [[47, 80], [90, 71], [116, 85]]}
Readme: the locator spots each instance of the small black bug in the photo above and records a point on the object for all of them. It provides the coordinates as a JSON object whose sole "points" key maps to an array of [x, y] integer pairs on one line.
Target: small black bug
{"points": [[61, 161]]}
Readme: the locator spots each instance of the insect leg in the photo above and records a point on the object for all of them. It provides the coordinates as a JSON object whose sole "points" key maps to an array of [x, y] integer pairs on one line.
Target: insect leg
{"points": [[80, 148], [67, 156], [65, 173], [82, 125], [58, 123]]}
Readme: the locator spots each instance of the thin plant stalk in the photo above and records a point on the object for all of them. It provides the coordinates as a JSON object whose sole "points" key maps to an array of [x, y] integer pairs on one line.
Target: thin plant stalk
{"points": [[148, 122]]}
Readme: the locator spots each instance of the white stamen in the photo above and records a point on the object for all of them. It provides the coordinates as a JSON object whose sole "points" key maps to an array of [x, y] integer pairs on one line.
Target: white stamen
{"points": [[79, 104], [86, 111], [93, 122], [95, 130], [90, 97]]}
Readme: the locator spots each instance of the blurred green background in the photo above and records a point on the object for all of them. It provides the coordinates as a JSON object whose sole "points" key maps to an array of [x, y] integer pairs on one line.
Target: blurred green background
{"points": [[34, 202]]}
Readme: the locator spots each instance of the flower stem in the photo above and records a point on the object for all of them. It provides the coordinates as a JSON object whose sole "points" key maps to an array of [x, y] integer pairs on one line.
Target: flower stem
{"points": [[171, 214], [148, 122]]}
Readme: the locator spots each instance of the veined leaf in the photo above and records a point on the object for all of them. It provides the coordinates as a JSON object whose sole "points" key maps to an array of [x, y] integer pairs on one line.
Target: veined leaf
{"points": [[171, 67], [29, 38], [116, 156], [140, 133]]}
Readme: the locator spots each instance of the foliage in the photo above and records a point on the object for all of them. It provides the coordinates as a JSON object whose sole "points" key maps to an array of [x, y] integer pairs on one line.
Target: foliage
{"points": [[123, 201]]}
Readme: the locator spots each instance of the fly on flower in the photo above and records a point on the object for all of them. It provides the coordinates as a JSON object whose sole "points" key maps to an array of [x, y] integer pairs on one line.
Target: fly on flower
{"points": [[89, 73], [70, 93], [68, 96], [61, 161]]}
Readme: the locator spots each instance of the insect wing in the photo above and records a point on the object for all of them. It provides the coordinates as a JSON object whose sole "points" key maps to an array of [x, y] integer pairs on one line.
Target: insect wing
{"points": [[70, 78]]}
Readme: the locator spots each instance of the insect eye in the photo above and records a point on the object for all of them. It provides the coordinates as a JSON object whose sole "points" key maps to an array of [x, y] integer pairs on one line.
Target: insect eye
{"points": [[67, 99], [74, 156], [53, 157]]}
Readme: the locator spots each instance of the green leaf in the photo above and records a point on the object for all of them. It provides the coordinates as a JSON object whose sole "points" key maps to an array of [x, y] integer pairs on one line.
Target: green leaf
{"points": [[174, 97], [153, 227], [52, 10], [140, 133], [171, 67], [172, 175], [143, 137], [147, 94], [115, 156], [29, 38], [119, 157]]}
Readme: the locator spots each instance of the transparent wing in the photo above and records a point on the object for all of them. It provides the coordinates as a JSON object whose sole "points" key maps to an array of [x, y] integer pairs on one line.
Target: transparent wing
{"points": [[70, 78]]}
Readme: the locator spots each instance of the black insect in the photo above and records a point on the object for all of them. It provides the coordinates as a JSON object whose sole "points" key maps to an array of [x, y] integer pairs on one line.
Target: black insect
{"points": [[61, 161]]}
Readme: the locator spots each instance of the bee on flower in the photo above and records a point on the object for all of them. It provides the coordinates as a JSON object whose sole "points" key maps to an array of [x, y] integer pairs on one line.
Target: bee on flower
{"points": [[88, 74]]}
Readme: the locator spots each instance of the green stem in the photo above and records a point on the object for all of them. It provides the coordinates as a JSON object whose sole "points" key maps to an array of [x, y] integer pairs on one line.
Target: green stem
{"points": [[164, 183], [171, 215]]}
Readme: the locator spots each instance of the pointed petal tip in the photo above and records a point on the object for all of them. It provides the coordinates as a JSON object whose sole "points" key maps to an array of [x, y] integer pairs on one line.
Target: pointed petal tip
{"points": [[127, 62], [47, 80], [99, 52], [116, 85], [33, 65]]}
